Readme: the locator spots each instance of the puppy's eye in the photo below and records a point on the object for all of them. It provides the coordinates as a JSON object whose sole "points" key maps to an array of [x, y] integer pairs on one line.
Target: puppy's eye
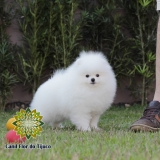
{"points": [[97, 75], [87, 75]]}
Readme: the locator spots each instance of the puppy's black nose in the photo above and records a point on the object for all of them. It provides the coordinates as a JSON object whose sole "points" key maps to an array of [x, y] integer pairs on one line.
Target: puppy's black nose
{"points": [[93, 80]]}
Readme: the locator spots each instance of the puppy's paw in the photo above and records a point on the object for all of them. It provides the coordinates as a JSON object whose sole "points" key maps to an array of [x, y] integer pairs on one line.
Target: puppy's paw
{"points": [[57, 126], [97, 129], [84, 129], [60, 126]]}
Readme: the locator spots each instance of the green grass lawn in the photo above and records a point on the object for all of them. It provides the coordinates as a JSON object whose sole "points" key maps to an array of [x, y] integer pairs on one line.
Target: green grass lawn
{"points": [[115, 142]]}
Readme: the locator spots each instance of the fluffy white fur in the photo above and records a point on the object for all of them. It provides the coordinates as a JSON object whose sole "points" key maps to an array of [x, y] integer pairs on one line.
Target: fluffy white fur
{"points": [[80, 93]]}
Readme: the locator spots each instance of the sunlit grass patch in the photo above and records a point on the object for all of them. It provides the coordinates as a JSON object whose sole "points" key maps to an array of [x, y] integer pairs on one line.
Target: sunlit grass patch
{"points": [[114, 142]]}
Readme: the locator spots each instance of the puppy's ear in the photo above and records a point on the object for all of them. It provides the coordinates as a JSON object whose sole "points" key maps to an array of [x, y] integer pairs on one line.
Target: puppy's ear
{"points": [[78, 62]]}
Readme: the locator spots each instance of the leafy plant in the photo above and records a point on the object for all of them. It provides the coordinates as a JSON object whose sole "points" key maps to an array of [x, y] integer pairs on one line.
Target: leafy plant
{"points": [[8, 77], [50, 35], [36, 41], [55, 31], [125, 31], [66, 36], [104, 30], [141, 23]]}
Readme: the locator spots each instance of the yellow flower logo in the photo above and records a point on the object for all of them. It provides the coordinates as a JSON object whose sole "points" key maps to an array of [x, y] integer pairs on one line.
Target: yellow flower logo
{"points": [[28, 123]]}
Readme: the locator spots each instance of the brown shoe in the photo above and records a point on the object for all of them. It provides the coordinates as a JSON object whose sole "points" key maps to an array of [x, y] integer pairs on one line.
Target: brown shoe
{"points": [[150, 121]]}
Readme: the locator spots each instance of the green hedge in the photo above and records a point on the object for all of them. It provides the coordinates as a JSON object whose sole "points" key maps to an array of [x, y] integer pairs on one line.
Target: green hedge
{"points": [[55, 31]]}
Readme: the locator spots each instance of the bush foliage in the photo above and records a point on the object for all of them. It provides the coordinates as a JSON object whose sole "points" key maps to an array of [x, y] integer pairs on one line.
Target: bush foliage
{"points": [[55, 31], [8, 78]]}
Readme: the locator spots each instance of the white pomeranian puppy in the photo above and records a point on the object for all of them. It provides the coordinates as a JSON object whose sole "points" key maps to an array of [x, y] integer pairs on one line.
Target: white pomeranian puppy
{"points": [[79, 93]]}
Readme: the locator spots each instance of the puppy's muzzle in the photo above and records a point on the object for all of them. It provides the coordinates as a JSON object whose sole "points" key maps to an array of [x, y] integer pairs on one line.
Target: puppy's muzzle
{"points": [[93, 81]]}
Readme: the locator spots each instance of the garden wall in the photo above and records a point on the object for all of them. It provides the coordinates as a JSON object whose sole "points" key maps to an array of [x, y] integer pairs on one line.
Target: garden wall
{"points": [[123, 95]]}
